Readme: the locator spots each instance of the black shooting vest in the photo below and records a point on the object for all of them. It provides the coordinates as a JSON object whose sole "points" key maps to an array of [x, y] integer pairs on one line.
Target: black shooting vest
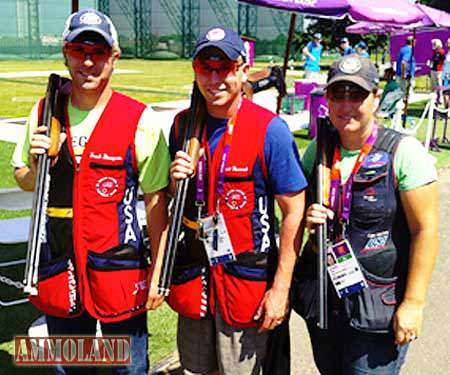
{"points": [[379, 236]]}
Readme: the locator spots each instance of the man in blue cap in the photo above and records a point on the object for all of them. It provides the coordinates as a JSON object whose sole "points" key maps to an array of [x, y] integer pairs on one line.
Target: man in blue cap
{"points": [[345, 48], [313, 53], [361, 49], [93, 265], [231, 282]]}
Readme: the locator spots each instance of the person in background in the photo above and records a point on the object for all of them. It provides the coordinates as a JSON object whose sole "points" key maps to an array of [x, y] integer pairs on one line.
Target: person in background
{"points": [[345, 48], [406, 65], [361, 49], [382, 222], [446, 75], [436, 65], [313, 53]]}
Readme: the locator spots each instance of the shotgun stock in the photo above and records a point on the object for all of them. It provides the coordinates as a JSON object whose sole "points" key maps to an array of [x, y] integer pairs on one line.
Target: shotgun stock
{"points": [[37, 234], [191, 144]]}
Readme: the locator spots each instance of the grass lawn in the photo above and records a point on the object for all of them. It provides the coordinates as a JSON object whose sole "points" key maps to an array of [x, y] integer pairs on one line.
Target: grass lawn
{"points": [[156, 81]]}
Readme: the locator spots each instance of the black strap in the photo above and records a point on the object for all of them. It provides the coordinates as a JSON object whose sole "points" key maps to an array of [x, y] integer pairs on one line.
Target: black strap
{"points": [[388, 140]]}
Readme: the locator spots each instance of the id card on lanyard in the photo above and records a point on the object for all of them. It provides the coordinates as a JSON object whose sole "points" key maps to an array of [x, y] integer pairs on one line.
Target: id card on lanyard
{"points": [[212, 229], [343, 267]]}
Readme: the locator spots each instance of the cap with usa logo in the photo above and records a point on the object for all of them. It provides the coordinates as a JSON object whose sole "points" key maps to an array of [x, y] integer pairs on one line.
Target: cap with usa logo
{"points": [[90, 20], [224, 39]]}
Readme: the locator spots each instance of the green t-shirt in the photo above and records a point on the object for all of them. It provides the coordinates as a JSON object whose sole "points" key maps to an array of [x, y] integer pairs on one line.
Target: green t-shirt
{"points": [[151, 147], [413, 166]]}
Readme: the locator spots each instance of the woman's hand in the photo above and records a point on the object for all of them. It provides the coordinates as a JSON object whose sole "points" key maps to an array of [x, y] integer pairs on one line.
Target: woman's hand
{"points": [[317, 214], [407, 322]]}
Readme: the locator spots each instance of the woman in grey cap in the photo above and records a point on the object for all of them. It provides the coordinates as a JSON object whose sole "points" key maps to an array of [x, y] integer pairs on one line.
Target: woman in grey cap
{"points": [[381, 216]]}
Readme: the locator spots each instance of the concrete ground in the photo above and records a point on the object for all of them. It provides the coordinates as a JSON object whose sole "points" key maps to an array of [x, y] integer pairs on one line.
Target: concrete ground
{"points": [[430, 354]]}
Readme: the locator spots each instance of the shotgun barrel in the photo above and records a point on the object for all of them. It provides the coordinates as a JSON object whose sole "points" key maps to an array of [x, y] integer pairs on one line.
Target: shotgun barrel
{"points": [[191, 144], [37, 234], [321, 230]]}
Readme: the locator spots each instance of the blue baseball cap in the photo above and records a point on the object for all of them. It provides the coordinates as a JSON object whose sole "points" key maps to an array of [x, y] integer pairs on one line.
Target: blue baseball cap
{"points": [[343, 40], [225, 39], [93, 21], [317, 36], [361, 44]]}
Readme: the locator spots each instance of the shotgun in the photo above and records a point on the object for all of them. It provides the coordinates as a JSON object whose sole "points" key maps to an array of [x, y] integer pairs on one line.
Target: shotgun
{"points": [[191, 145], [321, 230], [37, 234]]}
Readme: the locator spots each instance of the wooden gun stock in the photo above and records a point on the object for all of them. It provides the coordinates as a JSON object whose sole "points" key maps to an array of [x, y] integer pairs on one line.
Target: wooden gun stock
{"points": [[191, 145], [55, 131]]}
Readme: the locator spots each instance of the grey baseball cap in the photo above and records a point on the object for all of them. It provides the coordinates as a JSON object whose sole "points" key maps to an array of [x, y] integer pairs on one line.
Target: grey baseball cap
{"points": [[355, 69]]}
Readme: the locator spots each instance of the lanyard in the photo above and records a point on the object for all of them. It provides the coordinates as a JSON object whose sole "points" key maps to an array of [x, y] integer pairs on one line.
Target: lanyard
{"points": [[347, 186], [201, 173]]}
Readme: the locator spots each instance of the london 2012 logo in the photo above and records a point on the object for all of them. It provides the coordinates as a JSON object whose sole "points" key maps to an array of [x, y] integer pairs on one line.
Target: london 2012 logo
{"points": [[107, 186]]}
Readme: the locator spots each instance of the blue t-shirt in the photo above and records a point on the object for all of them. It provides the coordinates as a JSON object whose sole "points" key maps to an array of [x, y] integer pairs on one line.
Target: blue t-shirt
{"points": [[348, 51], [316, 51], [280, 151], [405, 55]]}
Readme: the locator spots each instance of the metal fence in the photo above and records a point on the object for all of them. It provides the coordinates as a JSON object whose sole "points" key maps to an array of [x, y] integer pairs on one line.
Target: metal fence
{"points": [[31, 29]]}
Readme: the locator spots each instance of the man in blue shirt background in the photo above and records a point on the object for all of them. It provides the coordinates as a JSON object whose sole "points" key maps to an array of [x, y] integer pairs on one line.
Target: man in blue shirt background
{"points": [[313, 52], [361, 49], [406, 65], [345, 48]]}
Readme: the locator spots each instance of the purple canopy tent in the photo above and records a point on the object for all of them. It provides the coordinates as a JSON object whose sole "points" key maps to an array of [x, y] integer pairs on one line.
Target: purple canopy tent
{"points": [[383, 11], [431, 19]]}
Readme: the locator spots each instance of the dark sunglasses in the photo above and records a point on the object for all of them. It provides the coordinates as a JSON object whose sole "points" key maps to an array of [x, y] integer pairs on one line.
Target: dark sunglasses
{"points": [[80, 51], [350, 92], [222, 67]]}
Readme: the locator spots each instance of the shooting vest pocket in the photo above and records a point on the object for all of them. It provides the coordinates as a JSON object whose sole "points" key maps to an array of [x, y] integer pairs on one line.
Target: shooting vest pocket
{"points": [[117, 281], [189, 291], [242, 288], [370, 188], [105, 179], [58, 288], [372, 309], [237, 204]]}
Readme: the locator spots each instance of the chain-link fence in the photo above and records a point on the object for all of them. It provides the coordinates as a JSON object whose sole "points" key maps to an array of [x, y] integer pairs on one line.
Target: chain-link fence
{"points": [[147, 28]]}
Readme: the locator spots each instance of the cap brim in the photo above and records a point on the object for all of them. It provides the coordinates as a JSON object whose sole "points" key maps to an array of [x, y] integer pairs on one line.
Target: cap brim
{"points": [[73, 34], [230, 54], [350, 78]]}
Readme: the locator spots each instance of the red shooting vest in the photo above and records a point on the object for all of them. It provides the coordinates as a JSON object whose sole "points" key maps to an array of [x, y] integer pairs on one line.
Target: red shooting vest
{"points": [[96, 261], [247, 206]]}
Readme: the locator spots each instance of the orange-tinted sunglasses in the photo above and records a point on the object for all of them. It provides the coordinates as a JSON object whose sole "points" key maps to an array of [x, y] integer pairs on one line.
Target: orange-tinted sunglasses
{"points": [[80, 51], [223, 68]]}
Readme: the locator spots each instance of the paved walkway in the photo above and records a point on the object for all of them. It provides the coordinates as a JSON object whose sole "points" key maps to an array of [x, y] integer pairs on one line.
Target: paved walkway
{"points": [[430, 354]]}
